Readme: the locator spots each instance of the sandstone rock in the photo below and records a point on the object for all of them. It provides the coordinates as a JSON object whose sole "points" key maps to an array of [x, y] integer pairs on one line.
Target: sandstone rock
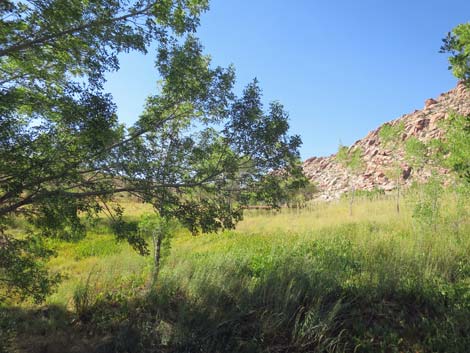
{"points": [[332, 179], [421, 124], [429, 102]]}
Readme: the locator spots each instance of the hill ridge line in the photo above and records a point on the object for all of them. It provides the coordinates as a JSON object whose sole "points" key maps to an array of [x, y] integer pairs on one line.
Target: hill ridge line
{"points": [[333, 180]]}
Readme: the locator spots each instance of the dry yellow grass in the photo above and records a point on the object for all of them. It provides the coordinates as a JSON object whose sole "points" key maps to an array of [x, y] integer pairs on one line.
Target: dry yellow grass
{"points": [[320, 215]]}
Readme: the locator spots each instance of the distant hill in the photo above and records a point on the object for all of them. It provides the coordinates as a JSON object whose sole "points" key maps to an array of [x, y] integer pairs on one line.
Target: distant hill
{"points": [[332, 179]]}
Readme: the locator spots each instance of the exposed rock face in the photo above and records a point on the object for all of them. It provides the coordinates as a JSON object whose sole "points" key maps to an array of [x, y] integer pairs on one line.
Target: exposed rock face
{"points": [[333, 179]]}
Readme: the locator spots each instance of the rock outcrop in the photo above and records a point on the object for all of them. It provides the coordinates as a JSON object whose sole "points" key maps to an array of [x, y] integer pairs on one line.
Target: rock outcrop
{"points": [[332, 179]]}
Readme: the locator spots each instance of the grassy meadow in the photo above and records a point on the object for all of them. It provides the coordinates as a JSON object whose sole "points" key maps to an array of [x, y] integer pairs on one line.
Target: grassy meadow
{"points": [[297, 280]]}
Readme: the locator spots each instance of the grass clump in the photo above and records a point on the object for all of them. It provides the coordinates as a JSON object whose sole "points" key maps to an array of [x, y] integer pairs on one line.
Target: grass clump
{"points": [[101, 246]]}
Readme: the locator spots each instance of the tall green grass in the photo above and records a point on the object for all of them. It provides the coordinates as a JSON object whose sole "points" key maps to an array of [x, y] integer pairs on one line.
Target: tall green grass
{"points": [[310, 280], [358, 286]]}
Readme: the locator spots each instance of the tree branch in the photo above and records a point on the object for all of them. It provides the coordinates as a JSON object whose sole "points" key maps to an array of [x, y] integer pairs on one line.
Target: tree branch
{"points": [[50, 37]]}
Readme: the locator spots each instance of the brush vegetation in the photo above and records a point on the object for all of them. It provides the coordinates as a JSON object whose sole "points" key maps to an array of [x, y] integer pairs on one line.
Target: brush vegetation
{"points": [[297, 280]]}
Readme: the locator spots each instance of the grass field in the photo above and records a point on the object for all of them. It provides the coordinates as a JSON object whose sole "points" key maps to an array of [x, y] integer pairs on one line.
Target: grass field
{"points": [[309, 280]]}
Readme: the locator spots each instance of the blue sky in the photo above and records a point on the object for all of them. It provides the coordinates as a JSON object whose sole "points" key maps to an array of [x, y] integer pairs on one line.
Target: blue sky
{"points": [[341, 68]]}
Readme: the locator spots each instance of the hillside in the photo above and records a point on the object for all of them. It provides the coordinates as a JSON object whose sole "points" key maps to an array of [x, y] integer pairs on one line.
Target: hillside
{"points": [[332, 179]]}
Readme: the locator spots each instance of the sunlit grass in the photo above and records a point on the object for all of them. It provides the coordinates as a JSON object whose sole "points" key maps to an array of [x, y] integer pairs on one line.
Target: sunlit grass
{"points": [[116, 268], [315, 279], [319, 215], [377, 233]]}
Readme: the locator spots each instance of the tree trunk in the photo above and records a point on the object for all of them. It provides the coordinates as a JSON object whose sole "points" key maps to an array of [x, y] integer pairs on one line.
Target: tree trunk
{"points": [[398, 195], [351, 201], [157, 245]]}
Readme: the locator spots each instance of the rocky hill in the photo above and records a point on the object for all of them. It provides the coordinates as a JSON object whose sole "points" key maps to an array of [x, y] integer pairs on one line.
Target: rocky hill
{"points": [[332, 179]]}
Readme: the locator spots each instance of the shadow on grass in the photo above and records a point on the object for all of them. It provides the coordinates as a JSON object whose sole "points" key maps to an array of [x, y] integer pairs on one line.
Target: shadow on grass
{"points": [[288, 308]]}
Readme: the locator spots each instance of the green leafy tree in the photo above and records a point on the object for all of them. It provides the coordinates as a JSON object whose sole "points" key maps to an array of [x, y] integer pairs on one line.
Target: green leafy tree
{"points": [[453, 150], [457, 145], [351, 159], [426, 156], [431, 156], [25, 259], [392, 137], [196, 152], [417, 153], [450, 152], [298, 196], [160, 230], [457, 43], [427, 210]]}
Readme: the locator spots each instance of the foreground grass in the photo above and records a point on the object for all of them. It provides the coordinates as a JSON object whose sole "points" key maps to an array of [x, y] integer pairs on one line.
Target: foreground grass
{"points": [[315, 280]]}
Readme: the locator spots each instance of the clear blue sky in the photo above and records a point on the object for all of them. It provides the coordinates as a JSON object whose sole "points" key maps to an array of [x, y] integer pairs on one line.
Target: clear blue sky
{"points": [[341, 68]]}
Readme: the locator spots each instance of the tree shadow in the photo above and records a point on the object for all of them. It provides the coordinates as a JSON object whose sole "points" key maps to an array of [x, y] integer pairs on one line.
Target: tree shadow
{"points": [[288, 309]]}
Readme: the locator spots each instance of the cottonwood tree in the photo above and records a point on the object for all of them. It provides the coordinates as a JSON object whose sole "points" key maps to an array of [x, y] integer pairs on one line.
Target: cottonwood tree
{"points": [[457, 145], [197, 152], [351, 159], [426, 156], [159, 230], [457, 43], [392, 137], [452, 152], [298, 197]]}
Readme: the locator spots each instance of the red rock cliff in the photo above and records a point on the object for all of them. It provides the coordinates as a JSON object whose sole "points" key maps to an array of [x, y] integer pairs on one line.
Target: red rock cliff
{"points": [[332, 178]]}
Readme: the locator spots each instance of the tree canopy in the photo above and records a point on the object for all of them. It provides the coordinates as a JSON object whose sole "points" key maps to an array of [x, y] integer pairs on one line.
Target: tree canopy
{"points": [[198, 152], [457, 43]]}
